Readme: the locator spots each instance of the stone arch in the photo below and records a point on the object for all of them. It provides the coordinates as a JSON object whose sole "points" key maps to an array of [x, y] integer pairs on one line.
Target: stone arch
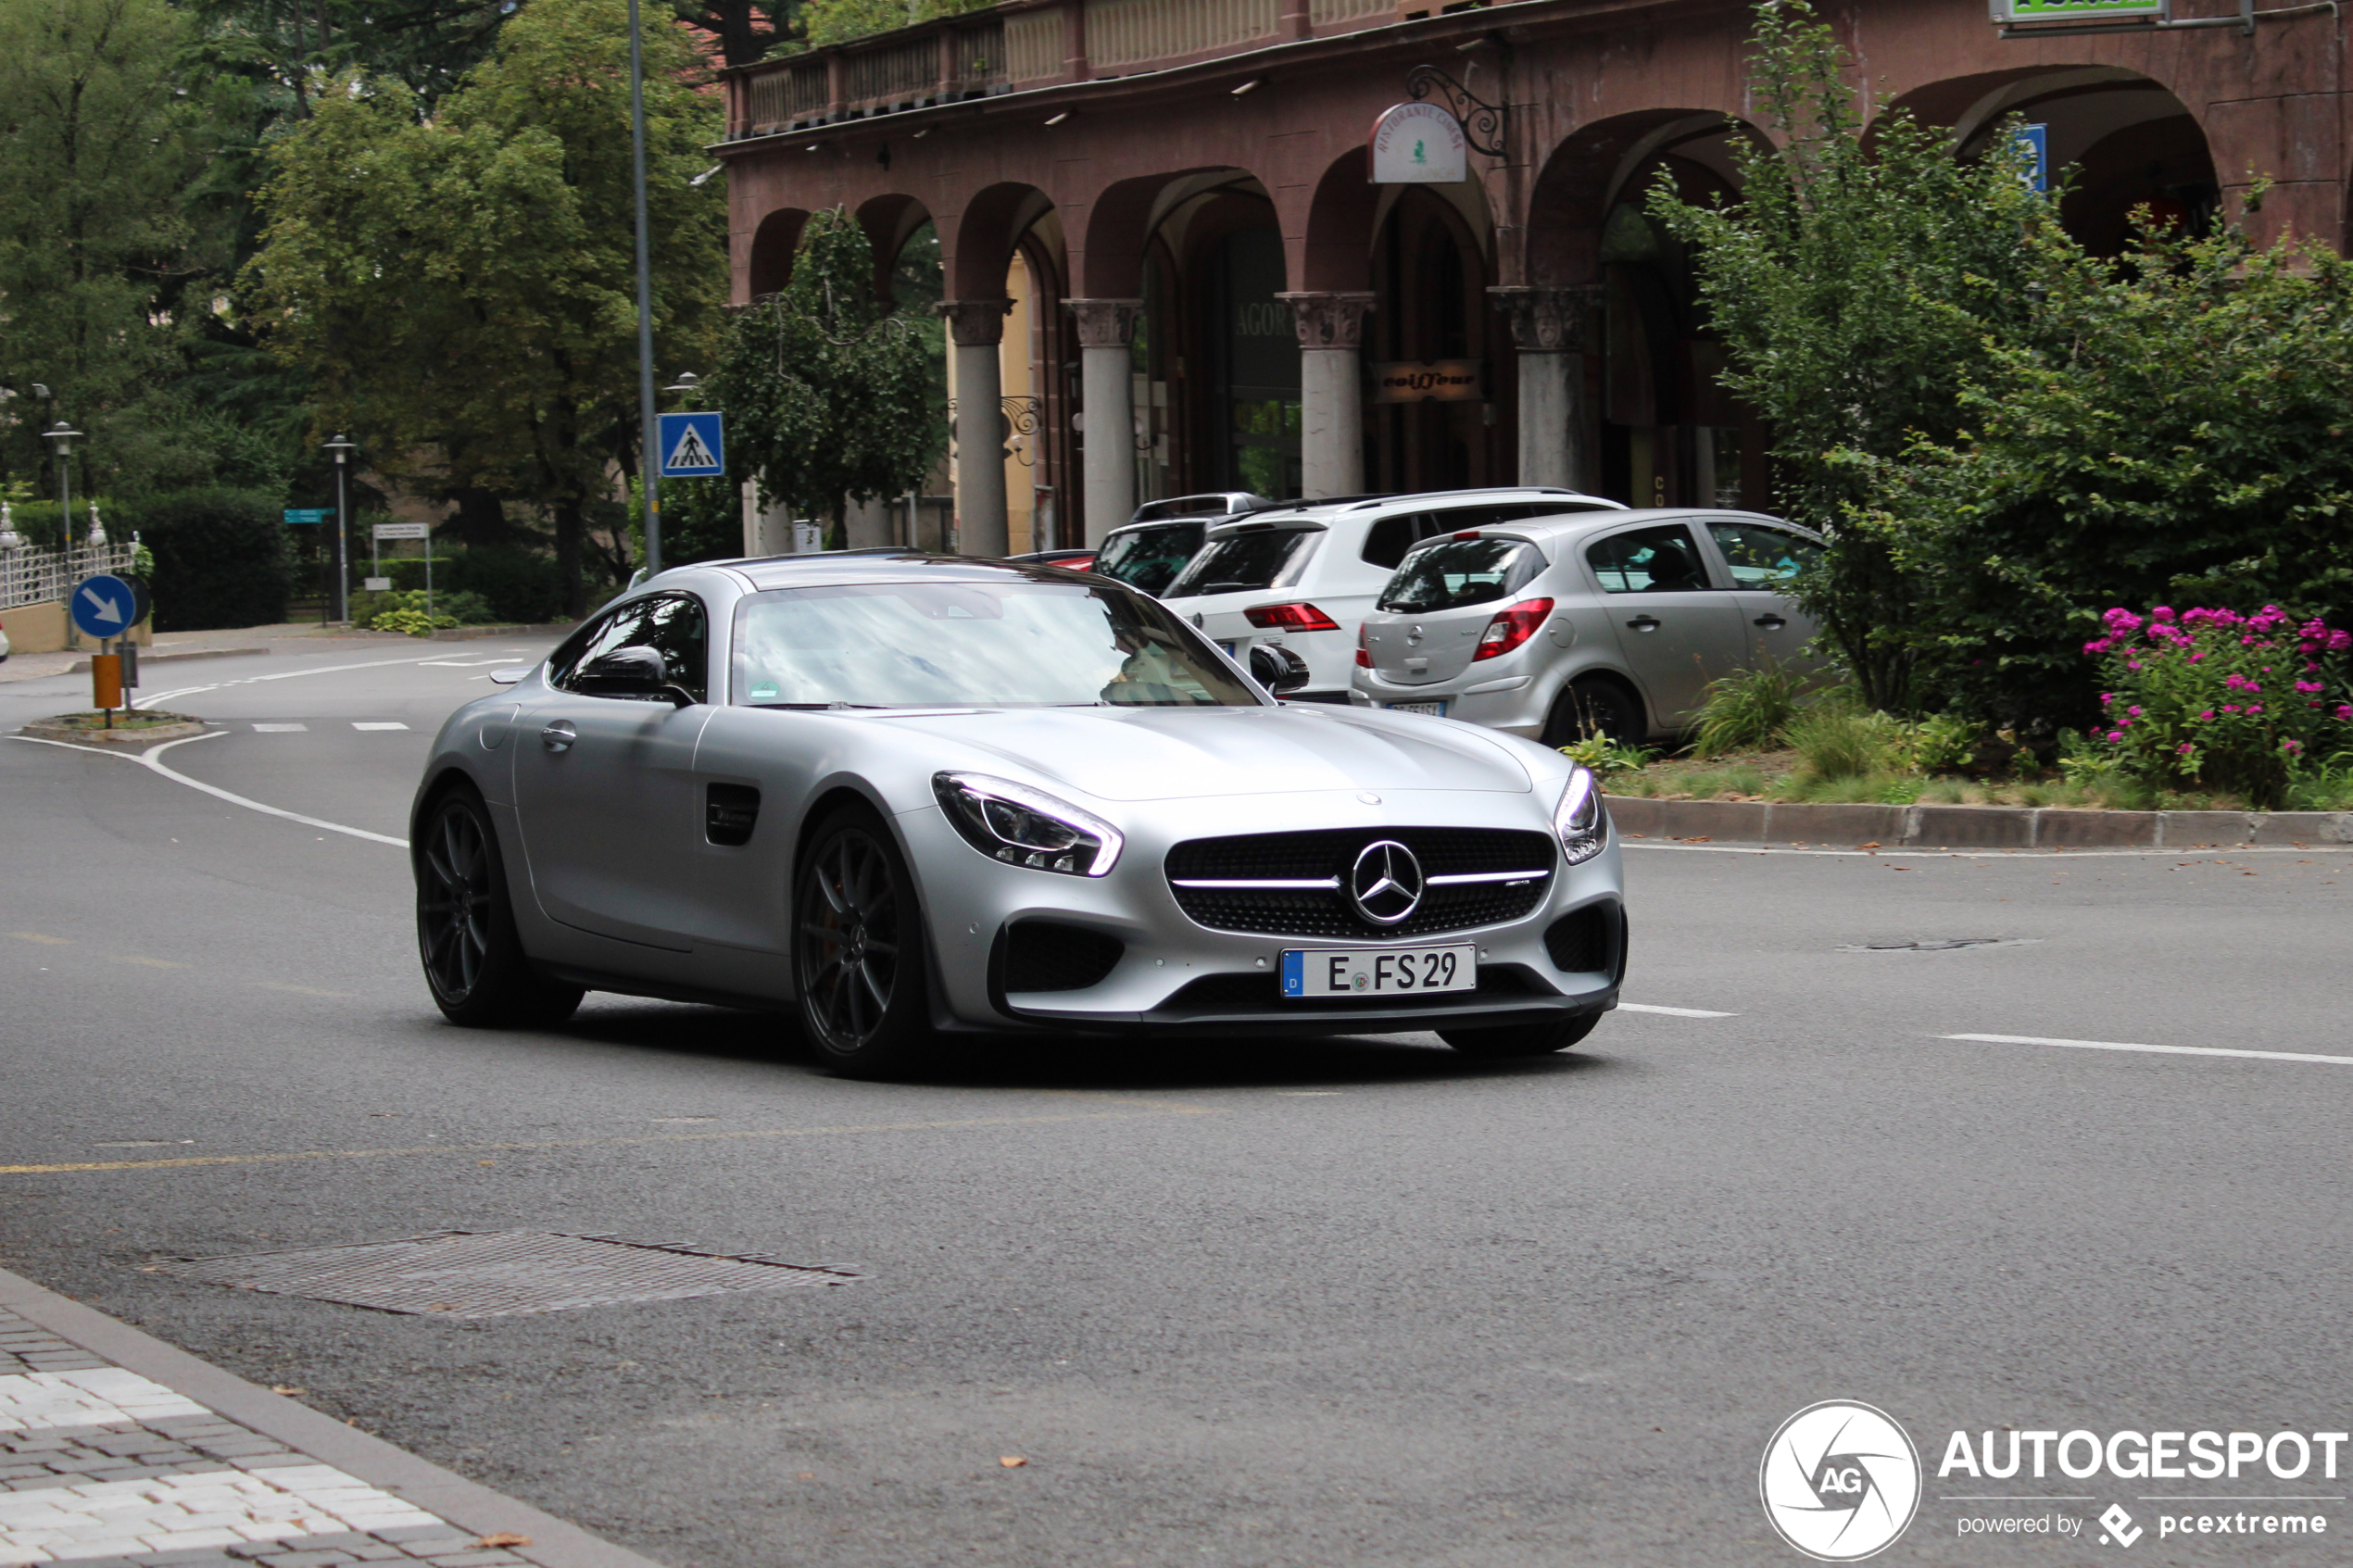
{"points": [[889, 221], [2133, 142], [772, 245], [1333, 247], [1586, 174], [988, 229]]}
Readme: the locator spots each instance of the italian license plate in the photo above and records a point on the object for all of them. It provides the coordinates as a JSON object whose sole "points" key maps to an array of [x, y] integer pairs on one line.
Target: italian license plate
{"points": [[1379, 972], [1435, 709]]}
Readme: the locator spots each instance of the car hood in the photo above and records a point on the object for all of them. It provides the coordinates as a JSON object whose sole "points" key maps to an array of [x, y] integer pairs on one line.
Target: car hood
{"points": [[1168, 753]]}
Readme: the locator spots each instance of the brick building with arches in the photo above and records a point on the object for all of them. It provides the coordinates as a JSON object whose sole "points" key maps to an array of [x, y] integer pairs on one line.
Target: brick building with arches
{"points": [[1180, 191]]}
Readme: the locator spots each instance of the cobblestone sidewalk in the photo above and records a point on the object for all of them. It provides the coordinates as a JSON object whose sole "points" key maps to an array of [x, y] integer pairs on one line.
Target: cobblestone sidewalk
{"points": [[104, 1467]]}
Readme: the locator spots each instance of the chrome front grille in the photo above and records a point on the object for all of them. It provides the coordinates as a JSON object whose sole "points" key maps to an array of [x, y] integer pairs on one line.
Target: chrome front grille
{"points": [[1293, 884]]}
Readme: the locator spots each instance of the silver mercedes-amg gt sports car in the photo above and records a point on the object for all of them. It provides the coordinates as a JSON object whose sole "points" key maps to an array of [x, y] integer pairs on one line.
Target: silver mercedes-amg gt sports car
{"points": [[913, 795]]}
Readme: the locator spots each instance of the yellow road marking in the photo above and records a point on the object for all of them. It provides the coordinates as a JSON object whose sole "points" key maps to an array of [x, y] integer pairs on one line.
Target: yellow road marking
{"points": [[154, 963], [185, 1162], [44, 940]]}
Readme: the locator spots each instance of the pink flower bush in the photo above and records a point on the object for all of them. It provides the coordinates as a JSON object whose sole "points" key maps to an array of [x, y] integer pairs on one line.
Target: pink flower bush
{"points": [[2168, 674]]}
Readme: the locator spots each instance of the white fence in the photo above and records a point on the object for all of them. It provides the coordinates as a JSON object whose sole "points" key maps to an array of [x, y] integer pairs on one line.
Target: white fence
{"points": [[31, 576]]}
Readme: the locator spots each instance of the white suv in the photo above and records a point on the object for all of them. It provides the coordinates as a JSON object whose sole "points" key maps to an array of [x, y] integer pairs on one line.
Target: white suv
{"points": [[1301, 578]]}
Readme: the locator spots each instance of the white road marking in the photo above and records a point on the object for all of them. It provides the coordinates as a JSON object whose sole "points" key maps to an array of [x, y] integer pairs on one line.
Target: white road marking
{"points": [[394, 724], [2160, 1050], [292, 674], [1673, 1012], [149, 762], [280, 728]]}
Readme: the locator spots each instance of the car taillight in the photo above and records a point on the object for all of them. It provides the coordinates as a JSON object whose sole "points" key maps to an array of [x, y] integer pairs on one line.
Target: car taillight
{"points": [[1289, 618], [1510, 628], [1364, 650]]}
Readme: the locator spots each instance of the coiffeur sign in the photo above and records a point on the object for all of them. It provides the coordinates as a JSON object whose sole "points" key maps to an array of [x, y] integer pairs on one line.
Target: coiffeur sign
{"points": [[1418, 145]]}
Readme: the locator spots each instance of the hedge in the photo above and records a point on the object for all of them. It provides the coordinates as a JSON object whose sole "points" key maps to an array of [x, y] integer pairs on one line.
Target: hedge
{"points": [[220, 558]]}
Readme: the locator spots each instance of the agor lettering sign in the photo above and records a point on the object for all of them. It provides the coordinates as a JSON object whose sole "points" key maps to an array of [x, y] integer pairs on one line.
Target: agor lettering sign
{"points": [[2079, 10], [1418, 145], [1440, 380]]}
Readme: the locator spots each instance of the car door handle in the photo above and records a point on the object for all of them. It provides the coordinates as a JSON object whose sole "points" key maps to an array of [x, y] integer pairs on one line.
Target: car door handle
{"points": [[1644, 623], [558, 736], [1770, 622]]}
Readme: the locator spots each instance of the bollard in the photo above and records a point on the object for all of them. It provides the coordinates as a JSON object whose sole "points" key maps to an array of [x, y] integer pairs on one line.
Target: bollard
{"points": [[106, 682]]}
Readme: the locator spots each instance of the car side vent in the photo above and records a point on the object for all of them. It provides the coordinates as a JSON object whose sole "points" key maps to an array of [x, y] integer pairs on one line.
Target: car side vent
{"points": [[1585, 941], [1044, 955], [729, 813]]}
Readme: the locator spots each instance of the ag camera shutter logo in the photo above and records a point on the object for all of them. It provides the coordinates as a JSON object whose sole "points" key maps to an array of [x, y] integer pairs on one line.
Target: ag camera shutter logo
{"points": [[1841, 1481]]}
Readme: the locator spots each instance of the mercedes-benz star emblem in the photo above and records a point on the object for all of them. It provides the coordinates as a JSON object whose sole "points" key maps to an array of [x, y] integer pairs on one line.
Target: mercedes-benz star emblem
{"points": [[1386, 883]]}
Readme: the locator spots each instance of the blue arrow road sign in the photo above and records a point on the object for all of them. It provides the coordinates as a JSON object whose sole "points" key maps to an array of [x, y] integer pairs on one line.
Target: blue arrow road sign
{"points": [[104, 607], [692, 445]]}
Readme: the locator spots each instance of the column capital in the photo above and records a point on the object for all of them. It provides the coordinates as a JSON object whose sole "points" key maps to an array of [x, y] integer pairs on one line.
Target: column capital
{"points": [[1547, 320], [1329, 318], [1105, 323], [974, 323]]}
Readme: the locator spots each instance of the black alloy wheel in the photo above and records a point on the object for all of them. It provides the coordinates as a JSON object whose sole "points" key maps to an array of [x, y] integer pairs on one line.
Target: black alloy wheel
{"points": [[858, 950], [473, 957], [1522, 1039], [1595, 705]]}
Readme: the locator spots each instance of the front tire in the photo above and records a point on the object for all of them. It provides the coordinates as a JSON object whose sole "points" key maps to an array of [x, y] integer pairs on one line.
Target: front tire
{"points": [[474, 958], [1521, 1039], [858, 950]]}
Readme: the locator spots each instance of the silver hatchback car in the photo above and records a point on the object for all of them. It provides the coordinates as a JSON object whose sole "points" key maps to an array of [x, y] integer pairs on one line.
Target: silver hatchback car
{"points": [[1614, 622]]}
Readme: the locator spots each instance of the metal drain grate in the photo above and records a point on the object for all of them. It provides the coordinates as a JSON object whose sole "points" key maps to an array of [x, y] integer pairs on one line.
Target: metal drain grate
{"points": [[1934, 944], [500, 1273]]}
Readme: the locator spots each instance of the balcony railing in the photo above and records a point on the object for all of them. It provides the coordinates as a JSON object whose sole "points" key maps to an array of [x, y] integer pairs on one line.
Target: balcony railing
{"points": [[1023, 45]]}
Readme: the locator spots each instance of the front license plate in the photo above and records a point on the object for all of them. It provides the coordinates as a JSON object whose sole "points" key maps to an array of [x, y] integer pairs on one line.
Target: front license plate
{"points": [[1435, 709], [1381, 971]]}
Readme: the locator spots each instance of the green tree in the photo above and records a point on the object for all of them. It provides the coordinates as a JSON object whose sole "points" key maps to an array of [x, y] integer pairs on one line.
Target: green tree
{"points": [[828, 392], [1854, 285], [461, 287], [2171, 430], [97, 244]]}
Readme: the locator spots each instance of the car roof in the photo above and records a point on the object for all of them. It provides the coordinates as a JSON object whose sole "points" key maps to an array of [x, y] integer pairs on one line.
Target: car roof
{"points": [[1322, 512], [881, 564], [1572, 522]]}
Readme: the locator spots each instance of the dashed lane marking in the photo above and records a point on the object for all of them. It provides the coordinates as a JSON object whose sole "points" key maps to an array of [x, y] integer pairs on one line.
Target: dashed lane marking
{"points": [[153, 964], [550, 1145], [1673, 1012], [378, 725], [305, 990], [2159, 1050], [280, 728], [42, 937]]}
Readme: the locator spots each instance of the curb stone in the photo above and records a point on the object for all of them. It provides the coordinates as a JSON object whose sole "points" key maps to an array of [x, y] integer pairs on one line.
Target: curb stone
{"points": [[473, 1510], [1969, 827]]}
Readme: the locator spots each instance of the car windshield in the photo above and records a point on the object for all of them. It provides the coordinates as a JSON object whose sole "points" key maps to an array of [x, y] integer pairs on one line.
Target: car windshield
{"points": [[1453, 572], [1241, 562], [971, 645], [1149, 558]]}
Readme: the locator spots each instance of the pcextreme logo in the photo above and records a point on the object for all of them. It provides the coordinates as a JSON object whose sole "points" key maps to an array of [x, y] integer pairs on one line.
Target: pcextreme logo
{"points": [[1841, 1481]]}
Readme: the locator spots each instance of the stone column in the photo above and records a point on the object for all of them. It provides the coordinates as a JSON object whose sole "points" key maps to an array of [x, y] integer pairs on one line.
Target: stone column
{"points": [[1107, 443], [975, 327], [767, 530], [1331, 335], [1548, 328]]}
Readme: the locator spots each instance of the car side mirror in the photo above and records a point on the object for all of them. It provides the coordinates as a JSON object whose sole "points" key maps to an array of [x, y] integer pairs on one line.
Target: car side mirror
{"points": [[1278, 669], [636, 671]]}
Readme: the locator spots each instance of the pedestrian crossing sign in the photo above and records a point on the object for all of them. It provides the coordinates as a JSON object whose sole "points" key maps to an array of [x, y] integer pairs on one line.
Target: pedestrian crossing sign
{"points": [[693, 445]]}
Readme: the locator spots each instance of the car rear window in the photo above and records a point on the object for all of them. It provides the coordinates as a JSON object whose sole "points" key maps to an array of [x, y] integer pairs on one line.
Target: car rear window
{"points": [[1149, 558], [1243, 562], [1453, 572]]}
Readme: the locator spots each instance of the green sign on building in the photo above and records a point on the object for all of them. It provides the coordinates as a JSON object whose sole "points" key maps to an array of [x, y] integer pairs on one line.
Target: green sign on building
{"points": [[2079, 10]]}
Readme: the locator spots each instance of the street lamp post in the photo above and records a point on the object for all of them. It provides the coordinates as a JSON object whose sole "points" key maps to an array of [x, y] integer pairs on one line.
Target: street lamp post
{"points": [[649, 458], [342, 447], [61, 436]]}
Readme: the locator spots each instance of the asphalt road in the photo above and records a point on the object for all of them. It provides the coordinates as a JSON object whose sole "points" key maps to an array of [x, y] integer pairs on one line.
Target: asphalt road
{"points": [[1350, 1302]]}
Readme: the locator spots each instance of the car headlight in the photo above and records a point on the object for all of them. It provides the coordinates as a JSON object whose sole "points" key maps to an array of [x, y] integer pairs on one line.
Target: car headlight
{"points": [[1580, 819], [1023, 826]]}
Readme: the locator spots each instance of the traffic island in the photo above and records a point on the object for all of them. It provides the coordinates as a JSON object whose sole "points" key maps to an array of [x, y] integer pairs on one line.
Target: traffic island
{"points": [[1811, 825], [123, 727]]}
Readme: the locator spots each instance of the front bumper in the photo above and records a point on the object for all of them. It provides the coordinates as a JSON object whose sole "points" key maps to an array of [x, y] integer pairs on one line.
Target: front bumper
{"points": [[1174, 975]]}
